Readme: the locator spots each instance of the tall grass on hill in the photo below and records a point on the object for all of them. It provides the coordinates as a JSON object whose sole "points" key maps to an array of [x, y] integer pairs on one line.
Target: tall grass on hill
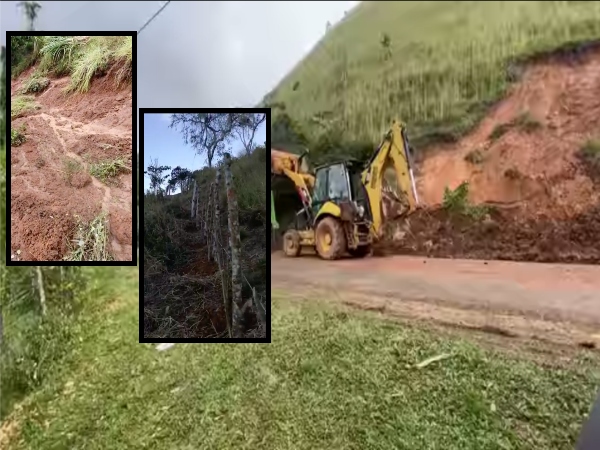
{"points": [[58, 54], [448, 61], [81, 58]]}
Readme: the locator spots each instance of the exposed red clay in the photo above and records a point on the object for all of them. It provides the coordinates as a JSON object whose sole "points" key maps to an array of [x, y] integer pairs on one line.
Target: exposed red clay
{"points": [[76, 130]]}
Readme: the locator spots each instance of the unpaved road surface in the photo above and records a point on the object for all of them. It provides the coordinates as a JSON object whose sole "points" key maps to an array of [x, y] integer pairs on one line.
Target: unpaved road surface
{"points": [[548, 302]]}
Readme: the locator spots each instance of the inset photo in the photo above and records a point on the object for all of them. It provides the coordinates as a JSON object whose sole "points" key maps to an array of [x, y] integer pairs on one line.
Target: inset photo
{"points": [[70, 173], [205, 246]]}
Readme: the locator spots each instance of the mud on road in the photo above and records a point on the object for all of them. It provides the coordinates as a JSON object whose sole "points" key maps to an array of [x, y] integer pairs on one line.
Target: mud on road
{"points": [[554, 303], [503, 235], [50, 181]]}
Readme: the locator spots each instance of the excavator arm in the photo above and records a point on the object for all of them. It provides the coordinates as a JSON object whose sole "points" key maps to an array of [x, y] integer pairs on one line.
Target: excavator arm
{"points": [[390, 167]]}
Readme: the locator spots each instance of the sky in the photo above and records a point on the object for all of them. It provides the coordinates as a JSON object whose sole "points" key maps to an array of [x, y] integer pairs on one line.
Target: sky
{"points": [[198, 54], [167, 145]]}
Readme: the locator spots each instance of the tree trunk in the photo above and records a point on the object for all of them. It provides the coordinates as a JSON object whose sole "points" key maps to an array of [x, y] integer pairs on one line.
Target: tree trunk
{"points": [[209, 225], [222, 256], [40, 286], [194, 199], [239, 306]]}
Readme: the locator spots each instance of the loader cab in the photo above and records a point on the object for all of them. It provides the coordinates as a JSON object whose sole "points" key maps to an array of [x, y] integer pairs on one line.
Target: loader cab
{"points": [[339, 182]]}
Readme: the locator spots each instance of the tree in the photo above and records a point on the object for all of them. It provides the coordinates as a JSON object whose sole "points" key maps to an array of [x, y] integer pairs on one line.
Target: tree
{"points": [[156, 177], [181, 178], [30, 9], [247, 125], [206, 132]]}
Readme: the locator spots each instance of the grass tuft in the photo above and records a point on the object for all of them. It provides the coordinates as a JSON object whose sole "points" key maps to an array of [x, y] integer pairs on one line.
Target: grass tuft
{"points": [[17, 137], [70, 168], [35, 84], [21, 105], [106, 170], [457, 202], [94, 59], [58, 54], [91, 241]]}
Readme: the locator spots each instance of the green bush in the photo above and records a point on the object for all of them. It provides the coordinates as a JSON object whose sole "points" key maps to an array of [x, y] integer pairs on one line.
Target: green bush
{"points": [[35, 84], [456, 202], [250, 182], [17, 137]]}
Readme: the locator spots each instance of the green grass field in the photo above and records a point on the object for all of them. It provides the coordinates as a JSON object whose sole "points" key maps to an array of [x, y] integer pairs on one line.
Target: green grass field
{"points": [[446, 62], [331, 379], [2, 205]]}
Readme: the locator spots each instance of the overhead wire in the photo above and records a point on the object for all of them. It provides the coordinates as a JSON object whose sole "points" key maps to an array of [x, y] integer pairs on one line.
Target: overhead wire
{"points": [[153, 17]]}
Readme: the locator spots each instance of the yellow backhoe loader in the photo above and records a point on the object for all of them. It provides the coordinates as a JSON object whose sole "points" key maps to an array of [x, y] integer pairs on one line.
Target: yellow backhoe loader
{"points": [[345, 204]]}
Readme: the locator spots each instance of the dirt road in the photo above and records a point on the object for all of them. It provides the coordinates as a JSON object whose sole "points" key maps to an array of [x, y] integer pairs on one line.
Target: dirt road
{"points": [[551, 302]]}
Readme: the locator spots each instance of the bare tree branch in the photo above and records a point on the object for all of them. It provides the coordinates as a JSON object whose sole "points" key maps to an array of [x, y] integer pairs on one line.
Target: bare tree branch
{"points": [[207, 133], [247, 125]]}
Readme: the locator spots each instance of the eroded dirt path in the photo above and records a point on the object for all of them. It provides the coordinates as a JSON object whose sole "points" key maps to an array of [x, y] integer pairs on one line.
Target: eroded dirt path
{"points": [[550, 302], [48, 195]]}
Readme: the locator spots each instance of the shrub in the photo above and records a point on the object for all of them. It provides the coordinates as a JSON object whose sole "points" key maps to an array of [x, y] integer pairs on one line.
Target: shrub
{"points": [[456, 202], [17, 137], [35, 84]]}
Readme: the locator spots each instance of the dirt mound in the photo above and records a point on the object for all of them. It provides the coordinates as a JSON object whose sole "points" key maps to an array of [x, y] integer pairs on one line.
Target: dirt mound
{"points": [[501, 235], [51, 186], [525, 152]]}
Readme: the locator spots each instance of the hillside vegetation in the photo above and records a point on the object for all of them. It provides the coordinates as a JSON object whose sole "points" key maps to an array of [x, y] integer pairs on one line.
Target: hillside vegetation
{"points": [[182, 287], [80, 57], [436, 65]]}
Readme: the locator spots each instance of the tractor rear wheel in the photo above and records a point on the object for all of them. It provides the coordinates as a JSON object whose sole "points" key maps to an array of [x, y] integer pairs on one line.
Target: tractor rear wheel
{"points": [[330, 239]]}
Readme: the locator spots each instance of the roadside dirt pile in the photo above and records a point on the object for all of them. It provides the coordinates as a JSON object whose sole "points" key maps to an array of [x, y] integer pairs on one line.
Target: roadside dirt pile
{"points": [[52, 191], [532, 162], [501, 235]]}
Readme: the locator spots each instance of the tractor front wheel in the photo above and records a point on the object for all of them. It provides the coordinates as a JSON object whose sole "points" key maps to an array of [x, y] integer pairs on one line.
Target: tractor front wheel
{"points": [[330, 239], [291, 243]]}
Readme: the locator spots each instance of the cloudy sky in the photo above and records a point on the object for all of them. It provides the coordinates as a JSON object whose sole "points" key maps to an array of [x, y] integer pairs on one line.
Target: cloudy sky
{"points": [[199, 54]]}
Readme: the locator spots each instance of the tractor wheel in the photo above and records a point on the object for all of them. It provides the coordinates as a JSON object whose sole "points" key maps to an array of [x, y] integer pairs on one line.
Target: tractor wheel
{"points": [[360, 252], [330, 239], [291, 243]]}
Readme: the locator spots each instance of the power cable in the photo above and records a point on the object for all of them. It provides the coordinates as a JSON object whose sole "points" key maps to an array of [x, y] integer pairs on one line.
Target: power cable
{"points": [[153, 17]]}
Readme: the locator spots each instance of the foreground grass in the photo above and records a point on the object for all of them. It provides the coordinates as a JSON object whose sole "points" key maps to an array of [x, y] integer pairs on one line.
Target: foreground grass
{"points": [[442, 65], [330, 379]]}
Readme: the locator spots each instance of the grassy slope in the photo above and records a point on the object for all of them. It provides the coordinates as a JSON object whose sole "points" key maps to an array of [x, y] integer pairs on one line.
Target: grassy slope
{"points": [[449, 60], [331, 379], [2, 205]]}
